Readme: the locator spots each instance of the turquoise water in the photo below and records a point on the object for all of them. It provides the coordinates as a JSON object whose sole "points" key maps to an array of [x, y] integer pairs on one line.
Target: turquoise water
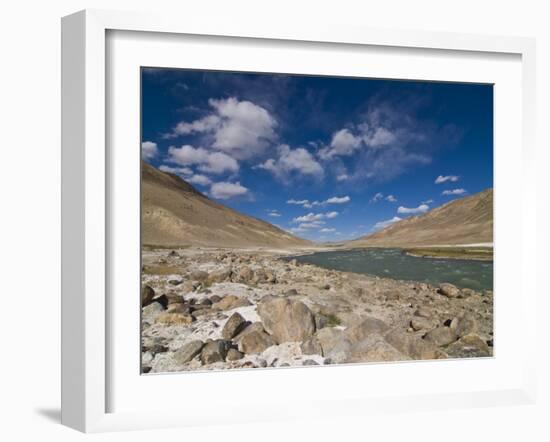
{"points": [[393, 263]]}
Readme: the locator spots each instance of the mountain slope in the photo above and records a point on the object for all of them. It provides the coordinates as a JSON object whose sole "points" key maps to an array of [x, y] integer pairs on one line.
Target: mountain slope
{"points": [[467, 220], [174, 213]]}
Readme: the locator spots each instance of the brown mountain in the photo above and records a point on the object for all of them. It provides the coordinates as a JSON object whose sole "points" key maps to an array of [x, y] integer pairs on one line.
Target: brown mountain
{"points": [[467, 220], [174, 213]]}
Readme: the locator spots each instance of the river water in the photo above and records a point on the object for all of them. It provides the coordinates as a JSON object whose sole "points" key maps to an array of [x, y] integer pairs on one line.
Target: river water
{"points": [[393, 263]]}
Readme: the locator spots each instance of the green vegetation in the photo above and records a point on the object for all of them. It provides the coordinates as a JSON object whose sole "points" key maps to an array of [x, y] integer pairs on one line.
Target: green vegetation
{"points": [[476, 253], [333, 320]]}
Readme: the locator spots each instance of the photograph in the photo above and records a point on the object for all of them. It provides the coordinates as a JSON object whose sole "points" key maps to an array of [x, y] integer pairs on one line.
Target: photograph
{"points": [[292, 220]]}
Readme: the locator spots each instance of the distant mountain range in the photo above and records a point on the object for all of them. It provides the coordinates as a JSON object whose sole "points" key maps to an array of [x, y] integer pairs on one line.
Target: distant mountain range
{"points": [[463, 221], [174, 213]]}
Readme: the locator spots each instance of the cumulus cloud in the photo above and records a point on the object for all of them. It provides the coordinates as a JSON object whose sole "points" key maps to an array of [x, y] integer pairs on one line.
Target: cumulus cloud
{"points": [[226, 190], [209, 162], [292, 162], [182, 171], [241, 129], [342, 177], [444, 178], [200, 179], [338, 200], [454, 192], [422, 208], [343, 143], [273, 213], [149, 150], [386, 223], [391, 199], [311, 217]]}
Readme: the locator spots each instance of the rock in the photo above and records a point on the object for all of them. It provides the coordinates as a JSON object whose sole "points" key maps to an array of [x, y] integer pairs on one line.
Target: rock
{"points": [[467, 292], [188, 286], [230, 302], [291, 292], [423, 312], [234, 355], [325, 287], [198, 275], [174, 298], [206, 302], [448, 290], [147, 358], [147, 295], [233, 326], [441, 336], [262, 363], [412, 346], [175, 281], [320, 321], [179, 308], [255, 326], [286, 320], [334, 344], [174, 319], [154, 345], [309, 362], [255, 342], [375, 348], [464, 325], [260, 276], [469, 346], [215, 298], [152, 310], [162, 300], [220, 275], [366, 327], [173, 254], [419, 323], [188, 351], [245, 275], [311, 347], [214, 351]]}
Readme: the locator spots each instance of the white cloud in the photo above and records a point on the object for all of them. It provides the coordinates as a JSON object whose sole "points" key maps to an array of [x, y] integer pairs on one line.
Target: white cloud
{"points": [[149, 150], [413, 210], [380, 136], [391, 199], [311, 217], [342, 177], [377, 197], [444, 178], [430, 201], [312, 225], [454, 192], [291, 162], [273, 213], [176, 170], [210, 162], [297, 202], [241, 129], [225, 190], [386, 223], [343, 143], [338, 200], [200, 179], [328, 230]]}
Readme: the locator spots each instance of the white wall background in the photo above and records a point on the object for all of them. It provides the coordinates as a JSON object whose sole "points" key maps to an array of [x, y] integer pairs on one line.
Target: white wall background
{"points": [[30, 215]]}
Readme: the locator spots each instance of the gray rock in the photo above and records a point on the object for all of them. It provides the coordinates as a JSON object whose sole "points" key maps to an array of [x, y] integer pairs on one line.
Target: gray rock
{"points": [[230, 302], [423, 312], [198, 275], [412, 346], [419, 323], [309, 362], [464, 325], [448, 290], [214, 351], [334, 344], [291, 292], [234, 355], [255, 326], [255, 342], [311, 347], [220, 275], [188, 351], [215, 298], [374, 348], [469, 346], [152, 310], [368, 326], [441, 336], [147, 295], [233, 326]]}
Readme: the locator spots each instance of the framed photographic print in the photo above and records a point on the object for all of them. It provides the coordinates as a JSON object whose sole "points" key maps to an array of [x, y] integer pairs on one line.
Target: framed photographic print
{"points": [[269, 210]]}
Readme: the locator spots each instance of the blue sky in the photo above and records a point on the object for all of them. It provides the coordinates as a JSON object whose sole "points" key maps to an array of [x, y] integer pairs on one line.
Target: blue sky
{"points": [[326, 158]]}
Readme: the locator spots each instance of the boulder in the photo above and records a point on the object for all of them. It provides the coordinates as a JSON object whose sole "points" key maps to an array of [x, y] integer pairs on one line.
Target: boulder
{"points": [[174, 298], [255, 326], [188, 351], [152, 310], [441, 336], [464, 325], [419, 323], [311, 347], [291, 292], [369, 325], [178, 308], [214, 351], [234, 355], [220, 275], [230, 302], [245, 275], [334, 344], [198, 275], [375, 348], [147, 295], [423, 312], [286, 320], [233, 326], [174, 319], [255, 342], [309, 362], [448, 290], [469, 346], [215, 298], [412, 346]]}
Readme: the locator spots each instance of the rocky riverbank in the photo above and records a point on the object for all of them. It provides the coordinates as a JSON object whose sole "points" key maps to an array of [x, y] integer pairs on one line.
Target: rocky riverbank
{"points": [[219, 309]]}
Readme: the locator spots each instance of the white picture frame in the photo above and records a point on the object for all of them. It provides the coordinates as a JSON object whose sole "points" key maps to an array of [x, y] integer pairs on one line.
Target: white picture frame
{"points": [[86, 210]]}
